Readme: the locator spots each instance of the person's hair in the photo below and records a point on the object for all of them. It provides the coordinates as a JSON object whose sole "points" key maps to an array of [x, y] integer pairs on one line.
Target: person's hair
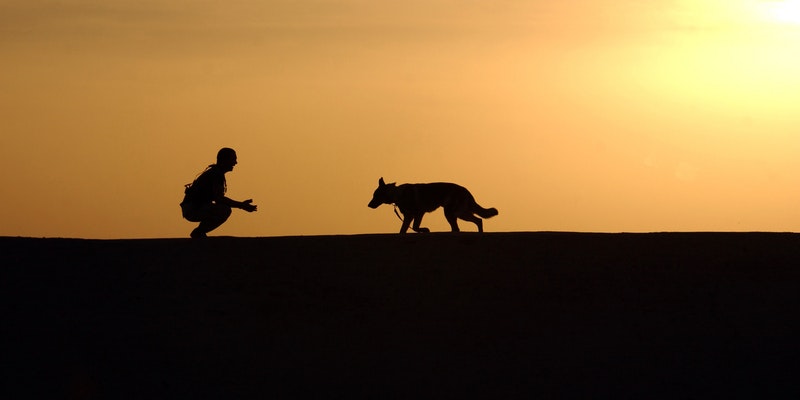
{"points": [[225, 153]]}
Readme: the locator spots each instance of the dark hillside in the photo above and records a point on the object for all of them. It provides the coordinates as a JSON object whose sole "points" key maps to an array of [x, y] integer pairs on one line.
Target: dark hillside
{"points": [[498, 315]]}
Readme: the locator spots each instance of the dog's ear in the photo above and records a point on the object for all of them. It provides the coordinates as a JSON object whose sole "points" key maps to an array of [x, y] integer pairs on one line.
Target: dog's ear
{"points": [[381, 182]]}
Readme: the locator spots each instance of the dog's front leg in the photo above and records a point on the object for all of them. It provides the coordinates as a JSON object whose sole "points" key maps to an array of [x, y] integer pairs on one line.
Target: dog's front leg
{"points": [[417, 222], [406, 222]]}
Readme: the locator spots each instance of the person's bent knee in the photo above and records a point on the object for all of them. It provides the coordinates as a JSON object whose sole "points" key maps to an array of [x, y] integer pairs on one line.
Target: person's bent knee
{"points": [[219, 212], [222, 210], [208, 212]]}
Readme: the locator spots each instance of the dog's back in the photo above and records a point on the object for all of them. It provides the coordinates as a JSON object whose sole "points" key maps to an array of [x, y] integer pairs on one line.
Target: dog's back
{"points": [[427, 197]]}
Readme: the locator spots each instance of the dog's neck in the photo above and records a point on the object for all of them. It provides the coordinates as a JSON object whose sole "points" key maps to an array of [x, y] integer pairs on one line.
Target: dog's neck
{"points": [[394, 193]]}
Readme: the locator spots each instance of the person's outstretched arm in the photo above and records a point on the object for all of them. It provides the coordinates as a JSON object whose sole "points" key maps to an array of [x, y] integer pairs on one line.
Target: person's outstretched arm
{"points": [[220, 198]]}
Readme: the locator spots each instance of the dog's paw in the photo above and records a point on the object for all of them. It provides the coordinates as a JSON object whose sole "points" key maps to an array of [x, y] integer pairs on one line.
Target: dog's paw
{"points": [[422, 230]]}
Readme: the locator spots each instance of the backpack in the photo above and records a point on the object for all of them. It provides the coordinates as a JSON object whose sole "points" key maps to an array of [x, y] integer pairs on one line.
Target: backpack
{"points": [[190, 190], [199, 191]]}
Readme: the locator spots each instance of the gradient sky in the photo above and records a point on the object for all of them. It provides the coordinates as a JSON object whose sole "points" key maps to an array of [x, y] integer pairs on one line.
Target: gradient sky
{"points": [[571, 115]]}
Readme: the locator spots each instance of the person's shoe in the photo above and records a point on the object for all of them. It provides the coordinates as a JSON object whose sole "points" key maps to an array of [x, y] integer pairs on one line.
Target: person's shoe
{"points": [[197, 234]]}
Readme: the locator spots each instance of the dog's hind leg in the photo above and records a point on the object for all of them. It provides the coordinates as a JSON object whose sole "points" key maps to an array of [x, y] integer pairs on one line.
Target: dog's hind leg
{"points": [[475, 220], [452, 219]]}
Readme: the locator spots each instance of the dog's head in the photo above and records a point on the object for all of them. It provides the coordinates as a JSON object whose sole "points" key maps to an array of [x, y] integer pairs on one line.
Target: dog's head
{"points": [[384, 194]]}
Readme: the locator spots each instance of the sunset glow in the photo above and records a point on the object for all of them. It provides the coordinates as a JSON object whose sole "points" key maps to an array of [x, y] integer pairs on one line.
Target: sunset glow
{"points": [[786, 11], [612, 115]]}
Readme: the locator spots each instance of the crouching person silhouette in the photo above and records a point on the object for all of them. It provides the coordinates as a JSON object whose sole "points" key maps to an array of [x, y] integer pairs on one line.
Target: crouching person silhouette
{"points": [[205, 201]]}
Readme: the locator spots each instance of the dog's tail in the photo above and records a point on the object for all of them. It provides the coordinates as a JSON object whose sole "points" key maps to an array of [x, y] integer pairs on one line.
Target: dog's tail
{"points": [[485, 212]]}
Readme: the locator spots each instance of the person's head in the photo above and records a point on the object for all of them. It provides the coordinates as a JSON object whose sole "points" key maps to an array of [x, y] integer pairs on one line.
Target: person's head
{"points": [[226, 158]]}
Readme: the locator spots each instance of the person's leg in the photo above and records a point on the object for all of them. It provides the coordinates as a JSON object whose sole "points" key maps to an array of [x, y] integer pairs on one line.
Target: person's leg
{"points": [[212, 217]]}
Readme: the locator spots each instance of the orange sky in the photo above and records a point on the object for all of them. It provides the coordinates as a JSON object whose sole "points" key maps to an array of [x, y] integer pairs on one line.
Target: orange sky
{"points": [[577, 115]]}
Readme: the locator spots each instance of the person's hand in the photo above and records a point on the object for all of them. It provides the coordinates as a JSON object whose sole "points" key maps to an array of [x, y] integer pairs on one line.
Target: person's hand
{"points": [[248, 206]]}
